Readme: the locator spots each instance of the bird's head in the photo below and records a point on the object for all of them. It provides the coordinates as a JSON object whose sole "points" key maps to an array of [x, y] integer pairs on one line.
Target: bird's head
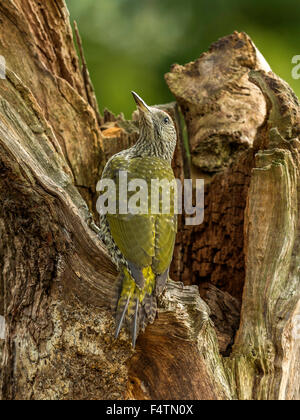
{"points": [[157, 131]]}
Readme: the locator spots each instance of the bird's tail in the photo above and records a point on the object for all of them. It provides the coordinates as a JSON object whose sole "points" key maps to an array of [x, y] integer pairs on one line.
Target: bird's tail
{"points": [[137, 304]]}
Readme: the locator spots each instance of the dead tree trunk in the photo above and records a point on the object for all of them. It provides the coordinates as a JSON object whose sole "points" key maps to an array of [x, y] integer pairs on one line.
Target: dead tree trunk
{"points": [[239, 340]]}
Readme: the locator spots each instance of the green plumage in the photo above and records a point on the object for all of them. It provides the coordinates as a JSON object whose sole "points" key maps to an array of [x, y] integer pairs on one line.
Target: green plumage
{"points": [[146, 239], [142, 244]]}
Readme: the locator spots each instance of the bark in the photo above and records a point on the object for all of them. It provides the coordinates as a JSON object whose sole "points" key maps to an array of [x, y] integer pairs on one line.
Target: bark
{"points": [[223, 111], [58, 286], [248, 243]]}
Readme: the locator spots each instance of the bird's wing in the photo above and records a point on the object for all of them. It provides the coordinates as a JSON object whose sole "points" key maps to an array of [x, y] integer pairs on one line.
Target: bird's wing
{"points": [[165, 233], [144, 239]]}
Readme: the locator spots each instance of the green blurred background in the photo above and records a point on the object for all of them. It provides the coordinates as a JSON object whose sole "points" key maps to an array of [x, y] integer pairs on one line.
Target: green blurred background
{"points": [[131, 44]]}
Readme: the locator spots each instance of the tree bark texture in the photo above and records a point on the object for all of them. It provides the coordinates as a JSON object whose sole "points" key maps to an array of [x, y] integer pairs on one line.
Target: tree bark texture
{"points": [[226, 322]]}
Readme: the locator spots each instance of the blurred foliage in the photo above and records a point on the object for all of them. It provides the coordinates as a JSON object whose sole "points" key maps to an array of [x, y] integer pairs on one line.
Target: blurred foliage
{"points": [[131, 44]]}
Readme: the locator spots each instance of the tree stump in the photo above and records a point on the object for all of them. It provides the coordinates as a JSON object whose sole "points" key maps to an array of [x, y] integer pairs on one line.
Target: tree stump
{"points": [[238, 337]]}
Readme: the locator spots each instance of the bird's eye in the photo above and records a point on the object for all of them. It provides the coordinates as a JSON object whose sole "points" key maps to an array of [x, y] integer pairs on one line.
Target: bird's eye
{"points": [[166, 120]]}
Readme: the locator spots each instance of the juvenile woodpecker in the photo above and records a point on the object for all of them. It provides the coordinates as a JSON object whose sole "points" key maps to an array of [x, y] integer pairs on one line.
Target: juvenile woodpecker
{"points": [[141, 245]]}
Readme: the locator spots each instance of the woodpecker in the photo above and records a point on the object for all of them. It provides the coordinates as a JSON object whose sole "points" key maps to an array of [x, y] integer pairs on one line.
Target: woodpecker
{"points": [[142, 245]]}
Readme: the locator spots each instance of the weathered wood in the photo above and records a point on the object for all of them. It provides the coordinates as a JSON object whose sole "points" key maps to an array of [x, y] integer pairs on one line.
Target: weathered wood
{"points": [[89, 88], [44, 58], [223, 111], [266, 350], [178, 356], [225, 314], [221, 106], [58, 286], [257, 195]]}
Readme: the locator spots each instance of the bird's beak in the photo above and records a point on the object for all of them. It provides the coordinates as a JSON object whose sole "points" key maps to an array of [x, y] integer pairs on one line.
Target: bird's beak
{"points": [[141, 104]]}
